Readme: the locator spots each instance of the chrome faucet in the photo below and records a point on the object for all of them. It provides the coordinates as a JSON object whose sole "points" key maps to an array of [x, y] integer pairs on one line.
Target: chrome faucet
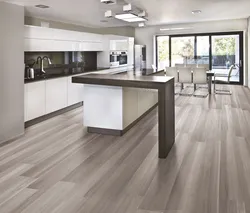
{"points": [[41, 62]]}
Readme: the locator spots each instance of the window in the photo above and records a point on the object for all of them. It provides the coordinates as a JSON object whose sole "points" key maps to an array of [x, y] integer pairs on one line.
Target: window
{"points": [[163, 52], [218, 50]]}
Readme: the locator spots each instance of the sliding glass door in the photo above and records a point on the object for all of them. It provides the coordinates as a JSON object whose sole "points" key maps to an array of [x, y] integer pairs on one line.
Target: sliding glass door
{"points": [[225, 53], [202, 49], [163, 52], [218, 50]]}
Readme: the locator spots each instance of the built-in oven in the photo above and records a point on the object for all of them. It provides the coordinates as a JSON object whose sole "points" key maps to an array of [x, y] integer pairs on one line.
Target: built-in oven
{"points": [[114, 59], [123, 58]]}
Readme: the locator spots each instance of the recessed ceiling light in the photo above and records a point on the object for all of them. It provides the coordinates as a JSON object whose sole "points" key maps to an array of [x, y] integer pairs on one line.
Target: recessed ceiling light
{"points": [[196, 11], [42, 6], [125, 16], [129, 17]]}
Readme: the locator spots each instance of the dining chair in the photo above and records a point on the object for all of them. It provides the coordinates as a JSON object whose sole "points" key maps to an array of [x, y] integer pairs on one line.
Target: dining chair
{"points": [[173, 72], [193, 66], [200, 77], [154, 67], [185, 77], [179, 65], [206, 66], [223, 78]]}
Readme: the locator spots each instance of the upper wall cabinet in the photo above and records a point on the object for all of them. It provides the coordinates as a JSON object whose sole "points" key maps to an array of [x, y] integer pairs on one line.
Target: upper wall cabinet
{"points": [[119, 45], [48, 39]]}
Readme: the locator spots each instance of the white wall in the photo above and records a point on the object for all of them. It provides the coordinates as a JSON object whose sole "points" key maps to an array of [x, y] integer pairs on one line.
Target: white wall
{"points": [[123, 31], [248, 52], [11, 71], [147, 35]]}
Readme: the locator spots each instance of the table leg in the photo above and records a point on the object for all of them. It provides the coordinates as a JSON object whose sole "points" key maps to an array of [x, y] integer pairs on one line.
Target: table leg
{"points": [[210, 84], [166, 118]]}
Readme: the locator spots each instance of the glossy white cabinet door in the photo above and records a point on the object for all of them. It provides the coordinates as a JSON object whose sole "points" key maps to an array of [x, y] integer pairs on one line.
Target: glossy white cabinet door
{"points": [[31, 44], [75, 92], [131, 44], [56, 94], [34, 100], [91, 46]]}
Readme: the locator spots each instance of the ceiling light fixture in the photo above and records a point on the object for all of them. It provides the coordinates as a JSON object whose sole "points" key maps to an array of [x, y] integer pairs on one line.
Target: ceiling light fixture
{"points": [[42, 6], [196, 11], [108, 2], [129, 17], [108, 14], [176, 28], [127, 8], [141, 24]]}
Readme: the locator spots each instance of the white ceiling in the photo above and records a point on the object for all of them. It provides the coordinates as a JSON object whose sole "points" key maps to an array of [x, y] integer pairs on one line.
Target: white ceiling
{"points": [[91, 12]]}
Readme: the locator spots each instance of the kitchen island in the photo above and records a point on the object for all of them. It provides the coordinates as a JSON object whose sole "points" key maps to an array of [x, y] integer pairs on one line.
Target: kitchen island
{"points": [[115, 103]]}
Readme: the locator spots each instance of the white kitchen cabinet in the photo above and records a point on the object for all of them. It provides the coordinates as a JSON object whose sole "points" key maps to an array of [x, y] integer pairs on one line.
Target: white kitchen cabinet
{"points": [[91, 46], [131, 51], [119, 45], [75, 92], [56, 94], [33, 44], [34, 99], [48, 39]]}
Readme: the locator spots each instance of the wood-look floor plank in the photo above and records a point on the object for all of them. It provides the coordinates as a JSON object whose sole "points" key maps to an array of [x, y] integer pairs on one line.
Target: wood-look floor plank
{"points": [[57, 167]]}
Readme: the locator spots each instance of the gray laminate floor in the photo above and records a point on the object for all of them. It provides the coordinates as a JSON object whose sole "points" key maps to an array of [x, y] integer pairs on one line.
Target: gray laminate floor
{"points": [[58, 168]]}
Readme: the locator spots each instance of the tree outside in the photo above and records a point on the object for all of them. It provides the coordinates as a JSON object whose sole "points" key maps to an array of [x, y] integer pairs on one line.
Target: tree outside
{"points": [[224, 46], [163, 51]]}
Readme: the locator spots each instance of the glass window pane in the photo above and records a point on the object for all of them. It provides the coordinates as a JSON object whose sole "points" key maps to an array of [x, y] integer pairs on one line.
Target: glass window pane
{"points": [[182, 50], [226, 52], [202, 50], [163, 51]]}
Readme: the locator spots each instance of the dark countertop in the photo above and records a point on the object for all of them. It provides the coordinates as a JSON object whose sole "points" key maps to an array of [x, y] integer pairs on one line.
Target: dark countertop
{"points": [[143, 79], [62, 72], [65, 72]]}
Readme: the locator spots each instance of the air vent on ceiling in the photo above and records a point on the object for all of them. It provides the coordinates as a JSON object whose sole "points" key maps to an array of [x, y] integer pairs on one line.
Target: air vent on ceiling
{"points": [[108, 1]]}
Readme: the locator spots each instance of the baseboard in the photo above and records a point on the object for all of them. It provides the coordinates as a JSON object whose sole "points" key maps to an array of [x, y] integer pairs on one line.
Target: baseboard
{"points": [[103, 131], [51, 115], [4, 143], [116, 132]]}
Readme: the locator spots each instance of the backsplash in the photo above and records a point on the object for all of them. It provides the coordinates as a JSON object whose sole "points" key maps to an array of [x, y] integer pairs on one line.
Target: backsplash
{"points": [[86, 60]]}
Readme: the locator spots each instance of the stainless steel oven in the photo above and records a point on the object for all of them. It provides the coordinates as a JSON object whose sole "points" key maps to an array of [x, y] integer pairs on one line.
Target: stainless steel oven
{"points": [[123, 58], [114, 59]]}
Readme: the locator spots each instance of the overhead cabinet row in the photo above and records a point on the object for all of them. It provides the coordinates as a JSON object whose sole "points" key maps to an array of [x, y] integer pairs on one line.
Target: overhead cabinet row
{"points": [[49, 39]]}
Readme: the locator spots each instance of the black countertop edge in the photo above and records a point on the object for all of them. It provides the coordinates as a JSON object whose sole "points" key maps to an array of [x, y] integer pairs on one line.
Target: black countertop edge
{"points": [[53, 76], [61, 75]]}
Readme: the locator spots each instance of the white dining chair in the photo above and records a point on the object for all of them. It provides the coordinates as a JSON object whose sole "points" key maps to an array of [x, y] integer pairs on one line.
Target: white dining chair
{"points": [[223, 78], [193, 66], [199, 77], [179, 65], [206, 66], [185, 77], [154, 67], [173, 72]]}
